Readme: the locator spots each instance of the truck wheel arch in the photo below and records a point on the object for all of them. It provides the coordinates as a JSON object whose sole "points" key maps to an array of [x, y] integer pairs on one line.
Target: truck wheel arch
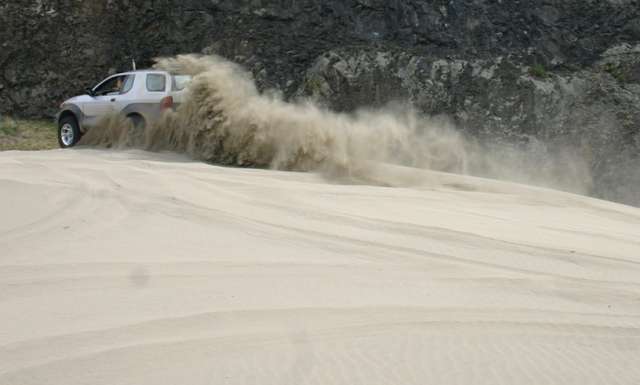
{"points": [[73, 111], [137, 119]]}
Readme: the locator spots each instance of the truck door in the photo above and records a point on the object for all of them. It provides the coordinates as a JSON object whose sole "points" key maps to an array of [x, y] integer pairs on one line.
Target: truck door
{"points": [[105, 98], [119, 101]]}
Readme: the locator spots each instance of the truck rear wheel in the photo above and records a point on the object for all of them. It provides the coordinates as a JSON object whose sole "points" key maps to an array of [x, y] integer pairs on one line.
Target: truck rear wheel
{"points": [[137, 121], [68, 132]]}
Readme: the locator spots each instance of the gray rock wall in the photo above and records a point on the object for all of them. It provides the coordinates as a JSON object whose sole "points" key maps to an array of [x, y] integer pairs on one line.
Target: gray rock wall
{"points": [[556, 71]]}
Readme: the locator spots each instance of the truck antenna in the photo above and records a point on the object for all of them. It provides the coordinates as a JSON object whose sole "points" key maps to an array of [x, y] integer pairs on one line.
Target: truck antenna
{"points": [[133, 64]]}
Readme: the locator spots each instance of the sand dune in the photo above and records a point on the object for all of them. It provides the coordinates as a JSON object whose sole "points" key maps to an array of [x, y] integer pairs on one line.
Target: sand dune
{"points": [[138, 268]]}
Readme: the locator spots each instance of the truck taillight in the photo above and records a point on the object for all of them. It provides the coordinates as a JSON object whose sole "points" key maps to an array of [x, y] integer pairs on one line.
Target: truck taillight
{"points": [[166, 103]]}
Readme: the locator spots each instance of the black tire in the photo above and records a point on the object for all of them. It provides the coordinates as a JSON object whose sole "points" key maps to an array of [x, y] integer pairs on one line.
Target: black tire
{"points": [[68, 132], [136, 130], [137, 121]]}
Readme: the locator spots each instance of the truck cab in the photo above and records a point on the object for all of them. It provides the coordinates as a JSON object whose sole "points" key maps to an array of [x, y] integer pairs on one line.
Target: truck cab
{"points": [[140, 96]]}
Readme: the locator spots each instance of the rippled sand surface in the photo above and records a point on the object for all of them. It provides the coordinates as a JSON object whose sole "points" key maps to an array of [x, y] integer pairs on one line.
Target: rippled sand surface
{"points": [[139, 268]]}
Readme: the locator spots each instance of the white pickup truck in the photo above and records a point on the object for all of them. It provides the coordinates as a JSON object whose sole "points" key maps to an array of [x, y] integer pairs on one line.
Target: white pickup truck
{"points": [[140, 96]]}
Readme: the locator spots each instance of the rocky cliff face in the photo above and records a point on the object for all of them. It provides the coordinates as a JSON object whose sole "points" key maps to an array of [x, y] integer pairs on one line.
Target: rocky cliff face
{"points": [[555, 72]]}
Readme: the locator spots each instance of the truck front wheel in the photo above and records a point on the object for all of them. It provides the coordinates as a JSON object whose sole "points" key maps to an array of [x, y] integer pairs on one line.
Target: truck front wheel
{"points": [[68, 132]]}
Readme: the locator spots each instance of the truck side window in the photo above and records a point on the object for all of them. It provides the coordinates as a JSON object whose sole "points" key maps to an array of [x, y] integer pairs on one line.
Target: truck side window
{"points": [[128, 84], [116, 85], [107, 87], [180, 82], [156, 83]]}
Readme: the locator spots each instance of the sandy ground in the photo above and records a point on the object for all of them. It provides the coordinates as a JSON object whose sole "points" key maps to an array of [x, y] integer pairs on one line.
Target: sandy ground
{"points": [[133, 268]]}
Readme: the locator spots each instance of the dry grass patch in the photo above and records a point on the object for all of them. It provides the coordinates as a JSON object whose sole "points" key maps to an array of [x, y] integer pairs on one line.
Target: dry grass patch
{"points": [[27, 135]]}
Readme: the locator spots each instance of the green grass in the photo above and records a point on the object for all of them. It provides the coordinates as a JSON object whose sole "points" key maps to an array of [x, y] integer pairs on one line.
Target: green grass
{"points": [[616, 71], [27, 135], [538, 71], [314, 85]]}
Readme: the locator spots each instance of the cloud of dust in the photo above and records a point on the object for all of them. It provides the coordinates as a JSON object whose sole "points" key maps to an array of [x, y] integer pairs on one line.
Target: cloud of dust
{"points": [[224, 119]]}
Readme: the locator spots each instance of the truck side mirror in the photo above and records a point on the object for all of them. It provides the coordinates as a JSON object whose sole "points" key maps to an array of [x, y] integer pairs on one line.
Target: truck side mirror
{"points": [[90, 92]]}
